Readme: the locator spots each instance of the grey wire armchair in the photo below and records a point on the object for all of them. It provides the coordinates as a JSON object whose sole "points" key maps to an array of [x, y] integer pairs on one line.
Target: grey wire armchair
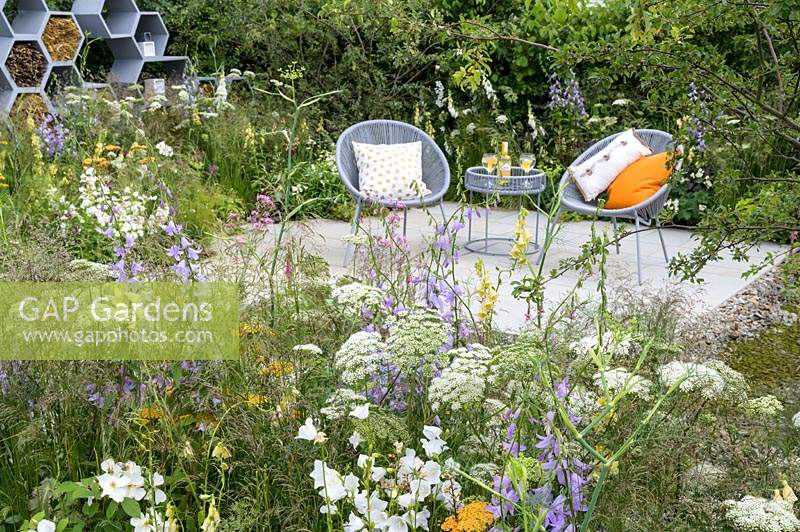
{"points": [[435, 170], [645, 212]]}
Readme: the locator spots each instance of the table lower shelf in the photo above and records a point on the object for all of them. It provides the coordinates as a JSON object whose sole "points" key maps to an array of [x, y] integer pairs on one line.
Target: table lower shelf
{"points": [[484, 246]]}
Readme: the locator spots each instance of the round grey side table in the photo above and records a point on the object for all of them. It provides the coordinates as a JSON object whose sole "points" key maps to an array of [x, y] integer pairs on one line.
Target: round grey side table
{"points": [[520, 183]]}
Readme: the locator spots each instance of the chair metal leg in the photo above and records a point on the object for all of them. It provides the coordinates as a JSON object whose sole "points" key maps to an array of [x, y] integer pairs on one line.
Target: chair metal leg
{"points": [[471, 214], [663, 245], [405, 220], [538, 209], [441, 208], [638, 251], [353, 230], [616, 236], [486, 228]]}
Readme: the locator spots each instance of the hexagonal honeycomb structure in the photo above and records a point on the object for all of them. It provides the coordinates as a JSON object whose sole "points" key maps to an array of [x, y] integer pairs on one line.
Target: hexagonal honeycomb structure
{"points": [[62, 37], [151, 28], [26, 17], [106, 19], [39, 47], [28, 64]]}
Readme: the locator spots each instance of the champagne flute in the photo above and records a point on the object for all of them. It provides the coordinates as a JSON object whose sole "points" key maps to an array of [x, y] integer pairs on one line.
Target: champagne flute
{"points": [[526, 161], [489, 162]]}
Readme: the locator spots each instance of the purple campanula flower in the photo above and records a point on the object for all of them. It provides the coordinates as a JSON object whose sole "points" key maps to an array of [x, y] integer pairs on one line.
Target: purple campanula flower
{"points": [[172, 229], [53, 135], [174, 251], [181, 269], [119, 270], [562, 389]]}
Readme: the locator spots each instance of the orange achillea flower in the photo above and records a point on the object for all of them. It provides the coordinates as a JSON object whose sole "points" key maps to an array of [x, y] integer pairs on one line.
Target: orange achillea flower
{"points": [[473, 517]]}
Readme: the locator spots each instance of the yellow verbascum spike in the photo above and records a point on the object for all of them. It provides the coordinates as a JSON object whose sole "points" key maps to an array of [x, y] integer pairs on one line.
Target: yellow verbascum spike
{"points": [[788, 493]]}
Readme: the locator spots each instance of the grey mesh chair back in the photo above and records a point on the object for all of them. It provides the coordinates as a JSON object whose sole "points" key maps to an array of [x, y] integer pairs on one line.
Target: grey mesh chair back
{"points": [[572, 200], [646, 211], [435, 170]]}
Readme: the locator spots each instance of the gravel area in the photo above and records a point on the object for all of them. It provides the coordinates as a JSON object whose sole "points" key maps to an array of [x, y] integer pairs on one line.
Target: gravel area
{"points": [[756, 308]]}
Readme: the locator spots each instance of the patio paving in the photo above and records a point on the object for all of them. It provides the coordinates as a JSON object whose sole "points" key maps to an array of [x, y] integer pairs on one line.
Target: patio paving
{"points": [[722, 279]]}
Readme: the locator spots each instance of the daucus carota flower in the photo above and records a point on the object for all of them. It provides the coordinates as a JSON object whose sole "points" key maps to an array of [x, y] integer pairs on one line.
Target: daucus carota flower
{"points": [[764, 408], [702, 476], [311, 349], [351, 298], [165, 149], [416, 341], [341, 402], [359, 358], [699, 378], [464, 381], [755, 514], [619, 379]]}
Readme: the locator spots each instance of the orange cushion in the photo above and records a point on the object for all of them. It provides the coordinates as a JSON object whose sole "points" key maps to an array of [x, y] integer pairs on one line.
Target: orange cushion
{"points": [[638, 181]]}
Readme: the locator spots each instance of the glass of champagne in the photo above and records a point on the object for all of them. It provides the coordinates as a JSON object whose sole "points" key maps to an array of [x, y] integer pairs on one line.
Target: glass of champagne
{"points": [[489, 161], [526, 161]]}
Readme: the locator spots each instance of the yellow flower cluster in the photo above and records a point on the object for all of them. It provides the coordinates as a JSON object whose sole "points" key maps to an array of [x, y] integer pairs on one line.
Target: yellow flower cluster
{"points": [[254, 399], [785, 495], [3, 183], [486, 292], [522, 237], [474, 517], [148, 413], [255, 328], [277, 368], [104, 153]]}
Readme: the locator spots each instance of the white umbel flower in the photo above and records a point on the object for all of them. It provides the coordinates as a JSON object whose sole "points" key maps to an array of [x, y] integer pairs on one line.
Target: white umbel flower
{"points": [[617, 378], [755, 514], [700, 378], [764, 408], [351, 298], [464, 381], [416, 340], [359, 358]]}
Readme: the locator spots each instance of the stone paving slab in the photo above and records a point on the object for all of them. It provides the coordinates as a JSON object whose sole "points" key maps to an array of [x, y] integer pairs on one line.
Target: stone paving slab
{"points": [[722, 279]]}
